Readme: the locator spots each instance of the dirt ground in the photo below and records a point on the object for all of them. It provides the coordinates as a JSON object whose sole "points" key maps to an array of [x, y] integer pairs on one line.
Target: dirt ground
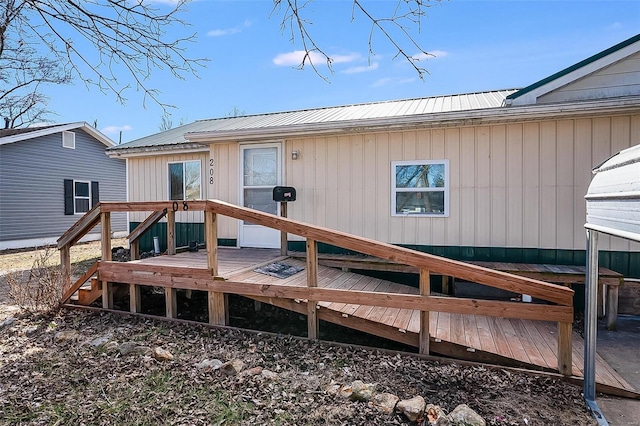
{"points": [[71, 367]]}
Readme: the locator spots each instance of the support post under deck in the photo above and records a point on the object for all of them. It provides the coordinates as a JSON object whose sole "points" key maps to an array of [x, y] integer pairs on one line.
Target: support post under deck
{"points": [[105, 226], [425, 290], [313, 323], [216, 300]]}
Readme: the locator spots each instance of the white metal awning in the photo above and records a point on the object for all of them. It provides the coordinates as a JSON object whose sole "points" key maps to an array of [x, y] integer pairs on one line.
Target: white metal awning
{"points": [[613, 208]]}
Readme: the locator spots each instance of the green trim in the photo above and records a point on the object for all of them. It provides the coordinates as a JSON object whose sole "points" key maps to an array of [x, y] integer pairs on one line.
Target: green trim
{"points": [[574, 67], [185, 232], [627, 263]]}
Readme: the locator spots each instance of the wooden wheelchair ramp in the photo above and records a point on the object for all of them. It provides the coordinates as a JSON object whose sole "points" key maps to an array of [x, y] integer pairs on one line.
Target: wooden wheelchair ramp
{"points": [[529, 335], [502, 341]]}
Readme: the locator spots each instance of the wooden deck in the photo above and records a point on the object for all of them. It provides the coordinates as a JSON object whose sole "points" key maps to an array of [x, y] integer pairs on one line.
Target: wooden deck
{"points": [[513, 342]]}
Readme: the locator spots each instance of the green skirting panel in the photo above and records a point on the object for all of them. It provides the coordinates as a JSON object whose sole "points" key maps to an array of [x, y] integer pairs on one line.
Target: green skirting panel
{"points": [[627, 263], [185, 233]]}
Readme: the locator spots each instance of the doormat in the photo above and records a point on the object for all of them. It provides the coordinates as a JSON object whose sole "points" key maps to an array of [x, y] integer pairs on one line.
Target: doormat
{"points": [[280, 270]]}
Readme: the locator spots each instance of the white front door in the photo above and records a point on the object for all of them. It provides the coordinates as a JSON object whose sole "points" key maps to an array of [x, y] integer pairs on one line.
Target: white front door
{"points": [[261, 170]]}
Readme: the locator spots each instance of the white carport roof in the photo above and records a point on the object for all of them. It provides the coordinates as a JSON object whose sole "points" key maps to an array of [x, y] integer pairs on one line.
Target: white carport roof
{"points": [[613, 208]]}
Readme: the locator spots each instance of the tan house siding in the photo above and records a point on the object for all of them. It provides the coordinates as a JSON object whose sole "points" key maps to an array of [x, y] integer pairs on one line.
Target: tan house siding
{"points": [[618, 79], [148, 181], [511, 185]]}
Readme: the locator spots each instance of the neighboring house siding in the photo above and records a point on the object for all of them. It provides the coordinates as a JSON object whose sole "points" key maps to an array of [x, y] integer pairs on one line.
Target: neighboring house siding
{"points": [[619, 79], [149, 181], [512, 185], [32, 174]]}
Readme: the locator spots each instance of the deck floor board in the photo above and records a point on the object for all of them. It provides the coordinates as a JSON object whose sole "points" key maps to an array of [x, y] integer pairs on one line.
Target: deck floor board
{"points": [[530, 342]]}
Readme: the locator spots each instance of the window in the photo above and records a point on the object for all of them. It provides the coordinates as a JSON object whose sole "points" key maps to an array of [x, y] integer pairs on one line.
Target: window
{"points": [[184, 181], [80, 196], [420, 188], [69, 140]]}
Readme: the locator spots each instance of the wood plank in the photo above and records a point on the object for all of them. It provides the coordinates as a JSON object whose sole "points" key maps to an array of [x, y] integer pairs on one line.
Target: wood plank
{"points": [[171, 232], [82, 227], [145, 225], [135, 301], [435, 264], [79, 283], [513, 340], [487, 339], [472, 334], [313, 323], [171, 302], [565, 333], [425, 290]]}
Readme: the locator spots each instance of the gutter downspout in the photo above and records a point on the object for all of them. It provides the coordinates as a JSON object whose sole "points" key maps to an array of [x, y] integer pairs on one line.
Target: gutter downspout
{"points": [[590, 327]]}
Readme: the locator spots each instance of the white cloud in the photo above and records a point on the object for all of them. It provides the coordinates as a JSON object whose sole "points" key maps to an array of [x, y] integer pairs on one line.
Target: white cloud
{"points": [[218, 33], [228, 31], [114, 130], [430, 55], [295, 58], [615, 26], [387, 81], [361, 69]]}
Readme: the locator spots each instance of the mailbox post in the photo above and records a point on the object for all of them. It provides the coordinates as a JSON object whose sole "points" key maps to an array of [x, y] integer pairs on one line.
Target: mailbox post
{"points": [[283, 195]]}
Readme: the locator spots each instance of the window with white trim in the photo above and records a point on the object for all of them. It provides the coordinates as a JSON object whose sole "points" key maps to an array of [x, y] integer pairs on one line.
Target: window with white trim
{"points": [[185, 181], [420, 188], [81, 196], [69, 140]]}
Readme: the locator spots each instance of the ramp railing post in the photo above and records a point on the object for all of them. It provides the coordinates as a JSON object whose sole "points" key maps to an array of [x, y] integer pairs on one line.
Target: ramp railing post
{"points": [[425, 290], [217, 305], [283, 234], [171, 232], [105, 235], [312, 281]]}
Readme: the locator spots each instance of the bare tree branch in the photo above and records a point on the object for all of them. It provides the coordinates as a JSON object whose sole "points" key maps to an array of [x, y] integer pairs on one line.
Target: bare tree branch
{"points": [[103, 43], [399, 28]]}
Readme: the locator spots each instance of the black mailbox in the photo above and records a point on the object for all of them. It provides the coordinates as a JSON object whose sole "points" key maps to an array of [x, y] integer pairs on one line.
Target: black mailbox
{"points": [[284, 194]]}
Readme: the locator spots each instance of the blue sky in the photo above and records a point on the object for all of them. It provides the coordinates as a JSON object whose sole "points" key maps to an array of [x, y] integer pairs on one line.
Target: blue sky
{"points": [[478, 45]]}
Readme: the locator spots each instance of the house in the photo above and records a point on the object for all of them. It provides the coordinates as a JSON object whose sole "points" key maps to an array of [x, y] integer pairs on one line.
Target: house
{"points": [[49, 177], [496, 176]]}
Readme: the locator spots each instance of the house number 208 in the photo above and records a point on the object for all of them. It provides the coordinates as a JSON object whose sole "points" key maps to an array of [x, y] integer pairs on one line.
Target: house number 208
{"points": [[211, 171]]}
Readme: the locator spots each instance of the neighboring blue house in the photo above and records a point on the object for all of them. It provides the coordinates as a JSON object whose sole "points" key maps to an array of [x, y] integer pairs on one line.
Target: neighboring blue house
{"points": [[49, 177]]}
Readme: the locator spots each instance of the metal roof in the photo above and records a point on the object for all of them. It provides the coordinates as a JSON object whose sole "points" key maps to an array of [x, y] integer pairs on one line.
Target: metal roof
{"points": [[16, 135], [360, 113]]}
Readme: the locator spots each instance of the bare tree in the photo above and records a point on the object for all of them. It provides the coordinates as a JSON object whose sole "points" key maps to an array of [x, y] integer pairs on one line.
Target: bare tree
{"points": [[396, 25], [110, 44]]}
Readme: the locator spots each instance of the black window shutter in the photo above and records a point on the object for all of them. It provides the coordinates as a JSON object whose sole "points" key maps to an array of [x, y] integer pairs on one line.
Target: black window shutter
{"points": [[68, 196], [95, 194]]}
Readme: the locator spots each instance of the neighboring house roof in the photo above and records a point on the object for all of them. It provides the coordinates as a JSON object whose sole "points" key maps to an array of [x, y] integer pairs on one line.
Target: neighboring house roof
{"points": [[318, 118], [21, 134], [607, 57]]}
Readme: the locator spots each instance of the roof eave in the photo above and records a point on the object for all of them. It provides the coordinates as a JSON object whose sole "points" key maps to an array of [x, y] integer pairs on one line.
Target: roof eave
{"points": [[458, 118], [150, 150], [56, 129], [529, 94]]}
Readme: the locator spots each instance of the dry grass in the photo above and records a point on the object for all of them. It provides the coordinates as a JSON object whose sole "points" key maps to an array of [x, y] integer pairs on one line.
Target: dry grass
{"points": [[24, 259], [30, 280]]}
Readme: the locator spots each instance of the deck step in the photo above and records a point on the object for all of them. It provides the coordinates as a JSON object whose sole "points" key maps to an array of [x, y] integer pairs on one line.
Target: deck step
{"points": [[89, 294]]}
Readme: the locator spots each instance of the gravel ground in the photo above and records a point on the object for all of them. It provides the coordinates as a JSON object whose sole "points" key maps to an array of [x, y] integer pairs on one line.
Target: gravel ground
{"points": [[76, 367]]}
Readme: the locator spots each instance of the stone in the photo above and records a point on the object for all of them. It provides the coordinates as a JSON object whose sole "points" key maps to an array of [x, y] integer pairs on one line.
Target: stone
{"points": [[435, 416], [252, 371], [269, 375], [7, 322], [209, 364], [412, 408], [464, 415], [385, 402], [100, 341], [232, 367], [133, 348], [111, 346], [162, 354], [361, 391], [66, 336], [345, 391]]}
